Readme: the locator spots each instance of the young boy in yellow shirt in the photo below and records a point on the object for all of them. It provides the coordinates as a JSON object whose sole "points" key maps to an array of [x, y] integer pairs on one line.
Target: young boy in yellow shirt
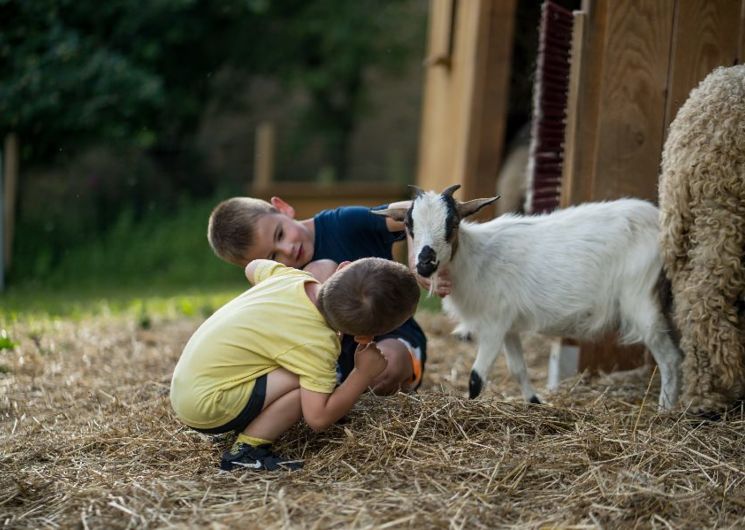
{"points": [[244, 228], [268, 358]]}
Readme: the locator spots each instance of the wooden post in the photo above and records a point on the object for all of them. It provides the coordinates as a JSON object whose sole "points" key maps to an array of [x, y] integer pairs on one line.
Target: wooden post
{"points": [[10, 173], [570, 192], [582, 108], [741, 51], [264, 156], [705, 35], [2, 221], [486, 95], [466, 95], [442, 31], [632, 99]]}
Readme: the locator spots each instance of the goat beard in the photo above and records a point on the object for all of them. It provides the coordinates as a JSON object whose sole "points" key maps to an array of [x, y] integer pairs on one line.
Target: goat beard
{"points": [[433, 283]]}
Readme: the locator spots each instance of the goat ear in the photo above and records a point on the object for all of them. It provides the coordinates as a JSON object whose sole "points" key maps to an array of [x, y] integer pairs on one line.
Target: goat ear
{"points": [[416, 190], [397, 214], [471, 207], [452, 189]]}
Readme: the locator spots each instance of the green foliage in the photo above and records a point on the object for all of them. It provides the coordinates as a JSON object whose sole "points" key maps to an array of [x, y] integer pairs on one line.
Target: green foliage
{"points": [[74, 72], [429, 303], [163, 248], [6, 343], [327, 48], [127, 83], [160, 266]]}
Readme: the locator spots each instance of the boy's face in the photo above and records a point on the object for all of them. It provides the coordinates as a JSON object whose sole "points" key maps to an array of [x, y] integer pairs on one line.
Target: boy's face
{"points": [[281, 238]]}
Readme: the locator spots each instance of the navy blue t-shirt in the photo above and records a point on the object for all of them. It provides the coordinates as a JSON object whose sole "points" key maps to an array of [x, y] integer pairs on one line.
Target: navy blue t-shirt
{"points": [[350, 233]]}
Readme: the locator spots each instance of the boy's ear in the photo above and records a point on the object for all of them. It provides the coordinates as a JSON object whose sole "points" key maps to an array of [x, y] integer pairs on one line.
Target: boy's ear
{"points": [[283, 207], [397, 214], [342, 265]]}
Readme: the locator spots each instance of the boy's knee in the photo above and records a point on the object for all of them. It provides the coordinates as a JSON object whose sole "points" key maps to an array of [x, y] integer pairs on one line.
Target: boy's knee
{"points": [[280, 382], [398, 371]]}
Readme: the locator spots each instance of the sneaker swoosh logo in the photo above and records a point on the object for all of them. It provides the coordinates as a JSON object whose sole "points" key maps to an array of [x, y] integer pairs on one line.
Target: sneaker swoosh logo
{"points": [[255, 465]]}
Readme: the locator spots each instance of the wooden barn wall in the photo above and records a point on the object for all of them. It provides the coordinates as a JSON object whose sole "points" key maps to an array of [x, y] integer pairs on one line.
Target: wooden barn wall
{"points": [[631, 104], [635, 64], [707, 34], [741, 52], [638, 60], [466, 94]]}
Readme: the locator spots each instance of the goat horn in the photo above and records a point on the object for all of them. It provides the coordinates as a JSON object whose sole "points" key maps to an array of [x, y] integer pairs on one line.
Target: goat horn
{"points": [[449, 191], [417, 190]]}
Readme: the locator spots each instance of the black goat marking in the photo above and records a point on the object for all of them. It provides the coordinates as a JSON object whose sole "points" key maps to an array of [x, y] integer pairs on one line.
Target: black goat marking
{"points": [[409, 222], [452, 219], [664, 293], [475, 385]]}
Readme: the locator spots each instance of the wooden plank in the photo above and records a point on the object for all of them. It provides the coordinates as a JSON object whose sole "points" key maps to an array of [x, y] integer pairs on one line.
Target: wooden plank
{"points": [[606, 355], [10, 186], [570, 184], [632, 99], [741, 52], [264, 155], [705, 35], [584, 112], [484, 97], [624, 62], [442, 28], [465, 104], [436, 131]]}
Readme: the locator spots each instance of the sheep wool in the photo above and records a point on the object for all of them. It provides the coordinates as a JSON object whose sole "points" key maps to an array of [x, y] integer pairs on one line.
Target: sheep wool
{"points": [[702, 221]]}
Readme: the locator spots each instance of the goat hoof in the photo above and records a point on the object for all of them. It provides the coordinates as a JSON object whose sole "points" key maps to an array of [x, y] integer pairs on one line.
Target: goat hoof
{"points": [[534, 399], [474, 385]]}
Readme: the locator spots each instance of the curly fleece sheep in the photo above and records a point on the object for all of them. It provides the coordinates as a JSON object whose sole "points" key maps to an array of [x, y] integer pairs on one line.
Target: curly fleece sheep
{"points": [[702, 200]]}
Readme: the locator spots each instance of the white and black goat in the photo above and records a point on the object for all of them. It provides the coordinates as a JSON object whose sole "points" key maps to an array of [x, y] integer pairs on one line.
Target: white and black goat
{"points": [[576, 273]]}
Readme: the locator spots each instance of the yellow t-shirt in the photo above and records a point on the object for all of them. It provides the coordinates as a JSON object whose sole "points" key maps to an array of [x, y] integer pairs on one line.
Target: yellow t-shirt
{"points": [[273, 324]]}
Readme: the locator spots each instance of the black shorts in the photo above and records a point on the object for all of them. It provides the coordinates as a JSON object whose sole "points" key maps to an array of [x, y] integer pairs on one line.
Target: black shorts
{"points": [[409, 332], [248, 414]]}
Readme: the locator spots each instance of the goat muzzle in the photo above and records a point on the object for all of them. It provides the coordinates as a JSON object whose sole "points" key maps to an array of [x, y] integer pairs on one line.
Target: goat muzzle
{"points": [[426, 263]]}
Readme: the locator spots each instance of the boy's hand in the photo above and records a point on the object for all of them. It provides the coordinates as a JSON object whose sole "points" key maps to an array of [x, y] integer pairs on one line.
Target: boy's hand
{"points": [[369, 361], [444, 284]]}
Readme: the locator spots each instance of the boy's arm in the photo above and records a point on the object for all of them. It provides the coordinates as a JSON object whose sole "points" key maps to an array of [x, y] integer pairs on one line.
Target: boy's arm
{"points": [[323, 410], [392, 224], [250, 270], [321, 269]]}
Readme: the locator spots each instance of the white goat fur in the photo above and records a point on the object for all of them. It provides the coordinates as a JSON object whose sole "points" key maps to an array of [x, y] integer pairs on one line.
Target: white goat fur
{"points": [[576, 273]]}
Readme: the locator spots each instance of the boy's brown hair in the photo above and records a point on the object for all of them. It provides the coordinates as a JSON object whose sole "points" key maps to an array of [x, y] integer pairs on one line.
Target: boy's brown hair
{"points": [[232, 227], [371, 296]]}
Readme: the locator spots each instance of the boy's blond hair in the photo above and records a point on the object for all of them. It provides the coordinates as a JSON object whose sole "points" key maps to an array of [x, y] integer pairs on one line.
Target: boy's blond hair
{"points": [[232, 227], [369, 297]]}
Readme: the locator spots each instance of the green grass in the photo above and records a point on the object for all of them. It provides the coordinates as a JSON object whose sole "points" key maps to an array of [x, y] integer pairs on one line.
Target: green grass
{"points": [[143, 304], [163, 249], [432, 303], [160, 265]]}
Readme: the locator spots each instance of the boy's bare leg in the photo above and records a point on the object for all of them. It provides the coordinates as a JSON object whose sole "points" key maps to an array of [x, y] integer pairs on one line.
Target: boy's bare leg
{"points": [[281, 406], [399, 371], [281, 410]]}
